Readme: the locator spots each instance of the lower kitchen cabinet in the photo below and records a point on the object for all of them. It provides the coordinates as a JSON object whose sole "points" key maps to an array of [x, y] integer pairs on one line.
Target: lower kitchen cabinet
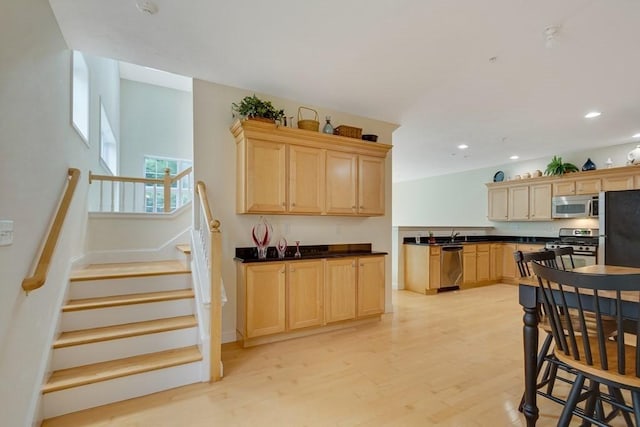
{"points": [[370, 296], [508, 262], [422, 268], [264, 299], [340, 290], [279, 299], [469, 264], [483, 263], [305, 294], [495, 260]]}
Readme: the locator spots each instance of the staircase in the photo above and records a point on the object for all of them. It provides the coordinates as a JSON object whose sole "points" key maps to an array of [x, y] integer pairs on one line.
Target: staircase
{"points": [[127, 330]]}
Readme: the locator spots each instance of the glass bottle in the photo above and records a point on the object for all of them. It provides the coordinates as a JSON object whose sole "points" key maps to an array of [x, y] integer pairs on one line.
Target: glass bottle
{"points": [[328, 128]]}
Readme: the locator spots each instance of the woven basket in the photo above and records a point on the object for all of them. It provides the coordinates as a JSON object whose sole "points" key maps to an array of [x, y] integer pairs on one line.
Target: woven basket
{"points": [[313, 125], [348, 131]]}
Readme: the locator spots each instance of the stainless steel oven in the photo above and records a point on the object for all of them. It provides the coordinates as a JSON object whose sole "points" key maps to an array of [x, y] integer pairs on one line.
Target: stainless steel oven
{"points": [[584, 242]]}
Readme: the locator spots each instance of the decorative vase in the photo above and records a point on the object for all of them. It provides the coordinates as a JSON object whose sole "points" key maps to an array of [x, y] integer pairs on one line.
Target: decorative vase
{"points": [[261, 235], [588, 165], [328, 127], [281, 247]]}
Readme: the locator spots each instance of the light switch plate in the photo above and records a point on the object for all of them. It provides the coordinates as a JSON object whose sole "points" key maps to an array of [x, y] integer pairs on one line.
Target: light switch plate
{"points": [[6, 232]]}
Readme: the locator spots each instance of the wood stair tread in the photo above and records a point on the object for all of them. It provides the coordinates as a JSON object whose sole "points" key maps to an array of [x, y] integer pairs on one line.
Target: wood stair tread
{"points": [[86, 336], [128, 269], [184, 248], [89, 374], [118, 300]]}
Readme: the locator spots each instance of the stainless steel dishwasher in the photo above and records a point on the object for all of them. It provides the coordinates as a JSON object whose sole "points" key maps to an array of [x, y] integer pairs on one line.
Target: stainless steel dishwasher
{"points": [[450, 266]]}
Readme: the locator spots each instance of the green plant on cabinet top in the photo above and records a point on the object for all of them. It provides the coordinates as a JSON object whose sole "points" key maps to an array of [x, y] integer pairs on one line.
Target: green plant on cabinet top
{"points": [[558, 167], [254, 107]]}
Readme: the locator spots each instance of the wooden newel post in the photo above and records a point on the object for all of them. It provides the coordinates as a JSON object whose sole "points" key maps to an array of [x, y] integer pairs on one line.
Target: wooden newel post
{"points": [[167, 190]]}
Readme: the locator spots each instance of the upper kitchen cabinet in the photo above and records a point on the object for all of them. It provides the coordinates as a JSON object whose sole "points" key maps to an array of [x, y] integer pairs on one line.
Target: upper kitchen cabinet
{"points": [[283, 170], [519, 202], [577, 186], [498, 204]]}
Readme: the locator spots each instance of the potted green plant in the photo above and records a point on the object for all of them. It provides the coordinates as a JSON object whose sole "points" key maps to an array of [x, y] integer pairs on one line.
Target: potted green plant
{"points": [[558, 167], [252, 107]]}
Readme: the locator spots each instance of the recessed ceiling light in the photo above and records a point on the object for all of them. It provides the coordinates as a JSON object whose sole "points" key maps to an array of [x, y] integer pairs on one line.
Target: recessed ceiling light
{"points": [[592, 114], [463, 146], [637, 135], [514, 157]]}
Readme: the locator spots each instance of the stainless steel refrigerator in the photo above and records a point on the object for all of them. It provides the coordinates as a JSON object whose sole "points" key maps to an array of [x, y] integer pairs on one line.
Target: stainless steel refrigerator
{"points": [[619, 217]]}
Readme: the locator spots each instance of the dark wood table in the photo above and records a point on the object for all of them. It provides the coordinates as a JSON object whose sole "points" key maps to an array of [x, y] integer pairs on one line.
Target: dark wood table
{"points": [[529, 299]]}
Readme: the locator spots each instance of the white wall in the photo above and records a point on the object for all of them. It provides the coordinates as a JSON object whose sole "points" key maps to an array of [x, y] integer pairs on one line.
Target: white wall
{"points": [[214, 157], [37, 146], [155, 121]]}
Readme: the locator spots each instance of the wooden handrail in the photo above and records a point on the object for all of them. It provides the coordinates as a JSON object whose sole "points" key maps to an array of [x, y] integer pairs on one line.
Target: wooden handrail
{"points": [[215, 276], [212, 224], [113, 178], [42, 268]]}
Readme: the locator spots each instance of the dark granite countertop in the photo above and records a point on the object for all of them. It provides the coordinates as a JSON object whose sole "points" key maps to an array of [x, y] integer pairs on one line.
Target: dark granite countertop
{"points": [[480, 239], [250, 254]]}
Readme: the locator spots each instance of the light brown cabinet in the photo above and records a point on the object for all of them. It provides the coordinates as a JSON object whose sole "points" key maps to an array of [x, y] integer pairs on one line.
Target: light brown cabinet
{"points": [[305, 286], [483, 269], [540, 202], [618, 183], [508, 262], [340, 289], [295, 171], [370, 297], [263, 298], [469, 264], [519, 203], [342, 183], [577, 186], [495, 260], [306, 180], [422, 268], [498, 204]]}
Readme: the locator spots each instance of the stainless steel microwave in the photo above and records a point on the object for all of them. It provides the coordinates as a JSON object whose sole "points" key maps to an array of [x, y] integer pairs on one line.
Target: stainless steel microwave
{"points": [[574, 206]]}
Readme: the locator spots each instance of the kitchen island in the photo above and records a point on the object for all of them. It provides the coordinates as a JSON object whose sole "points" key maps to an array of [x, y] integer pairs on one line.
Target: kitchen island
{"points": [[485, 260]]}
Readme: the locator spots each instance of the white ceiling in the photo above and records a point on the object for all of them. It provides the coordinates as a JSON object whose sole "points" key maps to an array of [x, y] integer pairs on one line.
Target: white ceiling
{"points": [[424, 64]]}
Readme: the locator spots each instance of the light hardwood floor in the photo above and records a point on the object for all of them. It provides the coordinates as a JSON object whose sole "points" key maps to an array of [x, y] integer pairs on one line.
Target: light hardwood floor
{"points": [[453, 359]]}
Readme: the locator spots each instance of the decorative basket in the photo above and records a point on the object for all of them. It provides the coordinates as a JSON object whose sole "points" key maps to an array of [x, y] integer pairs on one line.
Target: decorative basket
{"points": [[348, 131], [307, 124]]}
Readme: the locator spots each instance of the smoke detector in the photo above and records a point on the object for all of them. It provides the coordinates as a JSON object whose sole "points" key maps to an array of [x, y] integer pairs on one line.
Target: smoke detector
{"points": [[147, 7], [550, 35]]}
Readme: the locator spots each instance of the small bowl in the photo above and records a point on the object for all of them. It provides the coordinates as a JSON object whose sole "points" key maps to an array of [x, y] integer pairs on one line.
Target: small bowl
{"points": [[370, 137]]}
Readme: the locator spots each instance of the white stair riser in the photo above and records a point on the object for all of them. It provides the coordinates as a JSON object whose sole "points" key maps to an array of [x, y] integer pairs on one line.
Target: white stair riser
{"points": [[128, 285], [92, 395], [79, 355], [95, 318]]}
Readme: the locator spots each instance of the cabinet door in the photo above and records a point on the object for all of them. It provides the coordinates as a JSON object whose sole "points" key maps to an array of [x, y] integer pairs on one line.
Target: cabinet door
{"points": [[306, 179], [508, 262], [495, 261], [342, 181], [370, 285], [265, 176], [564, 188], [588, 186], [416, 268], [540, 202], [371, 184], [498, 203], [305, 293], [483, 263], [519, 203], [469, 264], [616, 183], [340, 290], [265, 299]]}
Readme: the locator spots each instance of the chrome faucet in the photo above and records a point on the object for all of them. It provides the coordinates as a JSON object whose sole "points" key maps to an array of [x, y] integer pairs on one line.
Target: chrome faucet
{"points": [[454, 234]]}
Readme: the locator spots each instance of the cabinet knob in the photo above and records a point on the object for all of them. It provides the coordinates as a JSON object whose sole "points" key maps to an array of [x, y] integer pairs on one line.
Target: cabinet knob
{"points": [[361, 265], [284, 204], [353, 207], [293, 204], [282, 271], [361, 207]]}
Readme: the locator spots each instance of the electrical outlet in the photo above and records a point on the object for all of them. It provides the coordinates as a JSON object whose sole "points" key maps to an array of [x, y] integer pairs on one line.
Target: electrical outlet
{"points": [[6, 232]]}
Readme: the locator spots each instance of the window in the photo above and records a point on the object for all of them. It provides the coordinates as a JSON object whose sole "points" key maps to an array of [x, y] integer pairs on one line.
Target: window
{"points": [[181, 191], [108, 144], [80, 96]]}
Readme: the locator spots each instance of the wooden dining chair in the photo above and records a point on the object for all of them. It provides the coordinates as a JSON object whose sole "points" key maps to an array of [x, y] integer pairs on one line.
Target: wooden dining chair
{"points": [[571, 300], [546, 363], [565, 256]]}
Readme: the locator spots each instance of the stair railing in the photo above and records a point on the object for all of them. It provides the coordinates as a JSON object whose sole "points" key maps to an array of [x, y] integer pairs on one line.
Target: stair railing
{"points": [[208, 251], [130, 194], [39, 276]]}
